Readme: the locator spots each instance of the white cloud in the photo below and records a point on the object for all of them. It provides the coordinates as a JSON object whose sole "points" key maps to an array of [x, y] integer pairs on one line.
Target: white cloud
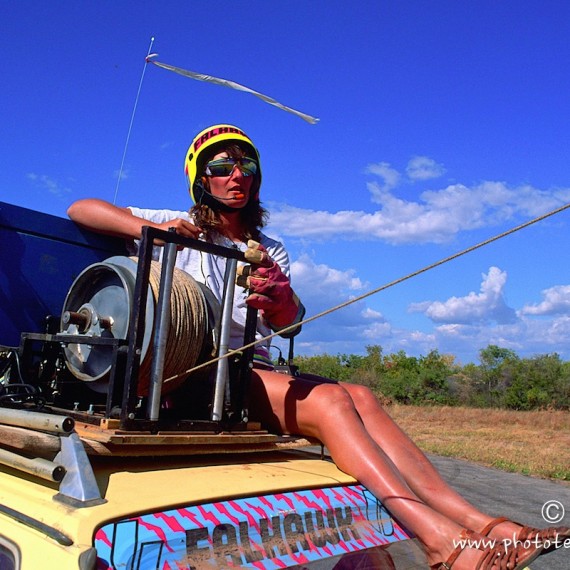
{"points": [[321, 288], [46, 183], [123, 174], [371, 314], [465, 325], [378, 332], [487, 306], [527, 337], [423, 168], [389, 176], [321, 280], [556, 301], [462, 325], [436, 217]]}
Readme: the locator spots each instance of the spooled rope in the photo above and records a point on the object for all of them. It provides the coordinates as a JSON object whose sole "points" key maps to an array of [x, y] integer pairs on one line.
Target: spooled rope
{"points": [[187, 331]]}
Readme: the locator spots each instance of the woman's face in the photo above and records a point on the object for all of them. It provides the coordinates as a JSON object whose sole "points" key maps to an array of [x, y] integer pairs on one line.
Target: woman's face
{"points": [[232, 190]]}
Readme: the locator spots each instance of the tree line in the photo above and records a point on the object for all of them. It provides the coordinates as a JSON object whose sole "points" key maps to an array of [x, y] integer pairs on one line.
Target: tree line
{"points": [[500, 380]]}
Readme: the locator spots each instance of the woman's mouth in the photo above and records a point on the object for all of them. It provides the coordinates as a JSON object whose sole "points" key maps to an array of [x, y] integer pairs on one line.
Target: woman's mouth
{"points": [[237, 193]]}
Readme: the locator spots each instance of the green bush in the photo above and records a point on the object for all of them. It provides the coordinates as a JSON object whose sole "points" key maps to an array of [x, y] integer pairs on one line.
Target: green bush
{"points": [[501, 380]]}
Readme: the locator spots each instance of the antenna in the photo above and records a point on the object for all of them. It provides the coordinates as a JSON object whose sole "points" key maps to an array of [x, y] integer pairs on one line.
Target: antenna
{"points": [[131, 124]]}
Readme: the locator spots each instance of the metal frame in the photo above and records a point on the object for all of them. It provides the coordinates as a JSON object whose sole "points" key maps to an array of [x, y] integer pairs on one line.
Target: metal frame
{"points": [[122, 386], [137, 328]]}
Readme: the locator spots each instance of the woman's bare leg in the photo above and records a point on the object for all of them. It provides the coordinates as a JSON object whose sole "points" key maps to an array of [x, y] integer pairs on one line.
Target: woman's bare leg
{"points": [[418, 472], [326, 411]]}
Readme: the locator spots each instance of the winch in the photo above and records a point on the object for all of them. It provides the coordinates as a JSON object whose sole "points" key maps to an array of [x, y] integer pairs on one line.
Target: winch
{"points": [[134, 332]]}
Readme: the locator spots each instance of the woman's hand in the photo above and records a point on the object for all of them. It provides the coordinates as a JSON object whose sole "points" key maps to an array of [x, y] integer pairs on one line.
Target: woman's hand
{"points": [[181, 227], [270, 289]]}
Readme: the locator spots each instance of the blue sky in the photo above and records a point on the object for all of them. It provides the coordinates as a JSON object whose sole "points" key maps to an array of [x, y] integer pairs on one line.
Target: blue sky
{"points": [[442, 124]]}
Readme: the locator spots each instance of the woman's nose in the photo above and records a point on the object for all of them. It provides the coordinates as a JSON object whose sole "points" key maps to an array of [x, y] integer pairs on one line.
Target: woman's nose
{"points": [[236, 172]]}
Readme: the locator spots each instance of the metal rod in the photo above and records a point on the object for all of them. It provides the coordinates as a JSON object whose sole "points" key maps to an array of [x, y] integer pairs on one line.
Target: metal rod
{"points": [[40, 467], [137, 319], [83, 320], [206, 247], [161, 331], [222, 372], [80, 318], [136, 329], [53, 533], [51, 423], [291, 355], [246, 364], [32, 442]]}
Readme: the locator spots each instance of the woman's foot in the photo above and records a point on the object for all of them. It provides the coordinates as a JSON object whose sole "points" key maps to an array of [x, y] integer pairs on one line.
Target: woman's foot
{"points": [[549, 538], [475, 552]]}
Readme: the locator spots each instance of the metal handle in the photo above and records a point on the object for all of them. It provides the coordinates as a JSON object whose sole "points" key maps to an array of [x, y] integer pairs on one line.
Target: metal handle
{"points": [[222, 386], [161, 331]]}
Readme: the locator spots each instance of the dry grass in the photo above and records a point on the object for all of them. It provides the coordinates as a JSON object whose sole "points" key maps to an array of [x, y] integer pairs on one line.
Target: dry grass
{"points": [[533, 443]]}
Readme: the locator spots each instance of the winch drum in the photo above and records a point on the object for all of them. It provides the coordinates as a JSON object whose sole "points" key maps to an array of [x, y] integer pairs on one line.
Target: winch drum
{"points": [[100, 303]]}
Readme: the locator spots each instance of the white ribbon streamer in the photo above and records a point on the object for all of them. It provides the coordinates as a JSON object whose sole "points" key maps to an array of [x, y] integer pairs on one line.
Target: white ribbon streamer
{"points": [[232, 85]]}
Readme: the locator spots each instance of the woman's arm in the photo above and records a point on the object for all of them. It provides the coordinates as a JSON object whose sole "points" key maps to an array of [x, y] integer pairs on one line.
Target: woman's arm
{"points": [[103, 217]]}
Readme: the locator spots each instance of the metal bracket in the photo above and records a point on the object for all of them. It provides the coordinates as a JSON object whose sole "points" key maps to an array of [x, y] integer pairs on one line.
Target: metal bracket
{"points": [[78, 487]]}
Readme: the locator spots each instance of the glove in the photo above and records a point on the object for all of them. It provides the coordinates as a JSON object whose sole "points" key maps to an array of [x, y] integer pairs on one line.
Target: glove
{"points": [[270, 289]]}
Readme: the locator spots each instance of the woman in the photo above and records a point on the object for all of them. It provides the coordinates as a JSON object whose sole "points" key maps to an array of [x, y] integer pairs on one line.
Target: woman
{"points": [[224, 176]]}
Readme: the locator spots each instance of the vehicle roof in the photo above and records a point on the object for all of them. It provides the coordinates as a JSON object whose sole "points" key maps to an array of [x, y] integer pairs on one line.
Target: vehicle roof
{"points": [[131, 486]]}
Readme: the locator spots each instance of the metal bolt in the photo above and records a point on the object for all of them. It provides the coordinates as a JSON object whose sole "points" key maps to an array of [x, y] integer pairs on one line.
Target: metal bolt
{"points": [[106, 322], [82, 319]]}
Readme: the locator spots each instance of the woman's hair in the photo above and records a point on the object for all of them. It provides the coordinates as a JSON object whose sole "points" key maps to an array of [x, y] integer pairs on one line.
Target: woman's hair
{"points": [[252, 215]]}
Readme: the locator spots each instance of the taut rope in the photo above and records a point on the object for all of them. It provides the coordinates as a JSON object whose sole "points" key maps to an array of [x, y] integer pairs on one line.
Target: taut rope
{"points": [[383, 287]]}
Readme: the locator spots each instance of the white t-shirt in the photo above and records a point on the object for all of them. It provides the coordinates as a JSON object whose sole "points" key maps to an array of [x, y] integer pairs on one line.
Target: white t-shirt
{"points": [[210, 270]]}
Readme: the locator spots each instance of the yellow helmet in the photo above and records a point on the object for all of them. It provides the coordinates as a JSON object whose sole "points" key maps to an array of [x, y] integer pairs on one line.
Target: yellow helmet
{"points": [[204, 146]]}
